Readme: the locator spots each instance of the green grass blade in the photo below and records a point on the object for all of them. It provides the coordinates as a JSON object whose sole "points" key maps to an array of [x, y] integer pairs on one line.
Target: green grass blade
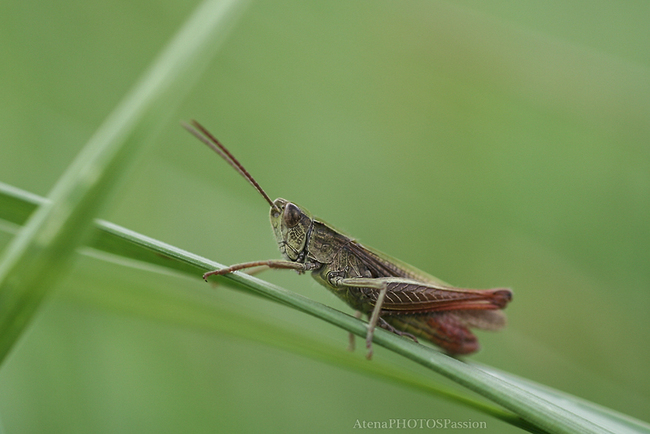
{"points": [[40, 251], [605, 417], [17, 205], [209, 314], [544, 409]]}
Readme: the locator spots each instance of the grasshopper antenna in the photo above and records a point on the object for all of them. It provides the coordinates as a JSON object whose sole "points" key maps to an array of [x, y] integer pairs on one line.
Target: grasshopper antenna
{"points": [[198, 131]]}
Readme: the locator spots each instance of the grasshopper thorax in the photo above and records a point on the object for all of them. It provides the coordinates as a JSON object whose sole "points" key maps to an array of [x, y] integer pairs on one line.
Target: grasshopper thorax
{"points": [[292, 227]]}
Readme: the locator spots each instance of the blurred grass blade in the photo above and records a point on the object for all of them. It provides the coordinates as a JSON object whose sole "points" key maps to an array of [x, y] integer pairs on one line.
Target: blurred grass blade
{"points": [[41, 249], [541, 408]]}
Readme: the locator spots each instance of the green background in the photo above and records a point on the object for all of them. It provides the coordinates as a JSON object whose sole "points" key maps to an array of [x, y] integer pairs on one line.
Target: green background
{"points": [[488, 143]]}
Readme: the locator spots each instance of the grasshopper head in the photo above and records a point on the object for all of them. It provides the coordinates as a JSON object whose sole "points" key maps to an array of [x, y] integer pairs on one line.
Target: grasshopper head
{"points": [[291, 226]]}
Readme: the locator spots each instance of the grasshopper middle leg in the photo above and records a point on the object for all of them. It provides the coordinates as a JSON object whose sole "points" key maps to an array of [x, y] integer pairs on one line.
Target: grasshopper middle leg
{"points": [[382, 287]]}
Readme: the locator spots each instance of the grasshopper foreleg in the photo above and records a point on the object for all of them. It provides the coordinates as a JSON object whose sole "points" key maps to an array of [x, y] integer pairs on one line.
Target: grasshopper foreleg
{"points": [[287, 265]]}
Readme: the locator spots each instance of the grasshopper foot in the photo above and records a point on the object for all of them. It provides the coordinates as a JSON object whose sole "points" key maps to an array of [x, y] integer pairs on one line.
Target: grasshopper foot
{"points": [[369, 336]]}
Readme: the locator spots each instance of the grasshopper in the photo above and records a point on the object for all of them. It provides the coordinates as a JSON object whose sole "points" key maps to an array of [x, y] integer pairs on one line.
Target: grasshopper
{"points": [[394, 295]]}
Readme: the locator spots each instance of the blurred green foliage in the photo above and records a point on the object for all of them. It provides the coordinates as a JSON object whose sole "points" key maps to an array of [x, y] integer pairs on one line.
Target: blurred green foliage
{"points": [[488, 143]]}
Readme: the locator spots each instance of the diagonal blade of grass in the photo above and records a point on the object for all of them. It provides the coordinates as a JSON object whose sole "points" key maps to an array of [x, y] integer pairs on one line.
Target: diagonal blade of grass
{"points": [[605, 417], [215, 315], [16, 205], [39, 252], [553, 407]]}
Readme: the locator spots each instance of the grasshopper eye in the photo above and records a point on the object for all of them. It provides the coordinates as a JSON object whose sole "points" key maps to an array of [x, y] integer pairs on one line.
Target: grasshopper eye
{"points": [[292, 215]]}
